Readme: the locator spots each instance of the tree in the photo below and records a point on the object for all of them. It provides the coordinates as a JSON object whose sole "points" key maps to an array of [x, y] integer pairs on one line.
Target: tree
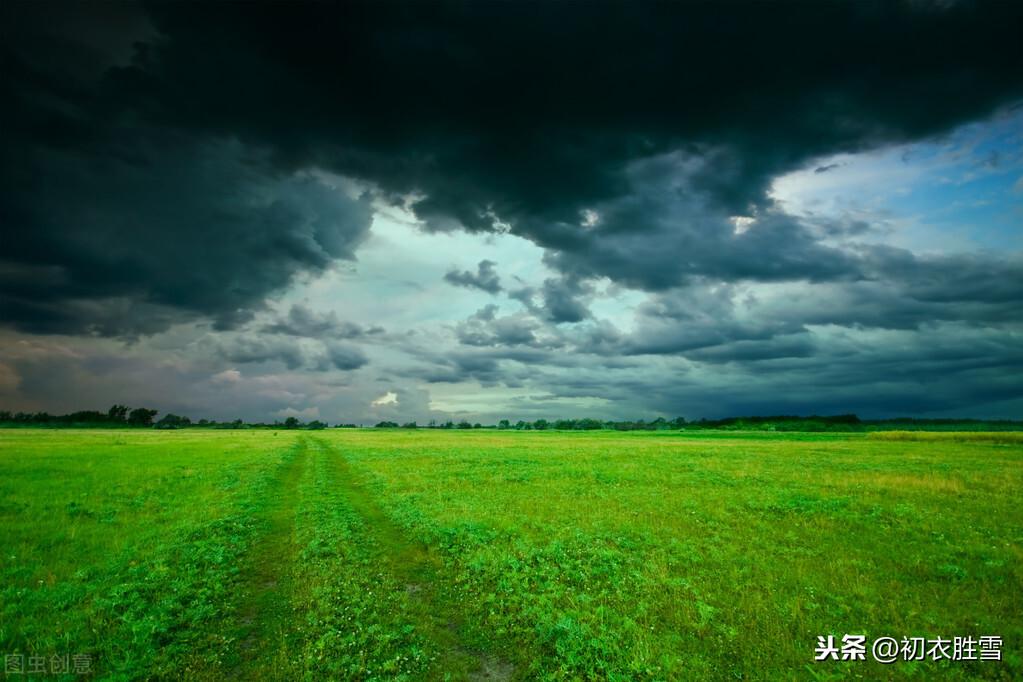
{"points": [[464, 425], [540, 424], [141, 416], [173, 421], [117, 413], [387, 425], [504, 424], [292, 423], [410, 425]]}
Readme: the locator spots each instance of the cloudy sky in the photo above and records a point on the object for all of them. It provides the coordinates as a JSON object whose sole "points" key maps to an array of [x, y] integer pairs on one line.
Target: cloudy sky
{"points": [[480, 210]]}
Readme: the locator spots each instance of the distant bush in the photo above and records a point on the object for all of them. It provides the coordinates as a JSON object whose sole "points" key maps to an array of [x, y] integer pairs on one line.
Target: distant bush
{"points": [[173, 421]]}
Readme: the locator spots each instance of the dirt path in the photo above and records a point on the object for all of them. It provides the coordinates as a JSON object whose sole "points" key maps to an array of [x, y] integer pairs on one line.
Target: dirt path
{"points": [[266, 583], [421, 571], [275, 584]]}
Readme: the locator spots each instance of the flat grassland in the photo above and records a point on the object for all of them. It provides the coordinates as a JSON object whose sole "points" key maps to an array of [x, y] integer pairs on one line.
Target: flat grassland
{"points": [[383, 554]]}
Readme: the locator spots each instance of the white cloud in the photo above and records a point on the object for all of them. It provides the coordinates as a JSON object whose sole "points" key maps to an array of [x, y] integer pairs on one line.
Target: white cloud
{"points": [[389, 398], [228, 376], [742, 223]]}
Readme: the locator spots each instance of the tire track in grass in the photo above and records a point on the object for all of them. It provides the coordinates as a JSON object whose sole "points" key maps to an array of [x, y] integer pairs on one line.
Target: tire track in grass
{"points": [[417, 571], [264, 643]]}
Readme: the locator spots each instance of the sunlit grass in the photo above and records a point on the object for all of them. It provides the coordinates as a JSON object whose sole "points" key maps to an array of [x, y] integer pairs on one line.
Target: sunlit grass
{"points": [[679, 555], [1007, 437]]}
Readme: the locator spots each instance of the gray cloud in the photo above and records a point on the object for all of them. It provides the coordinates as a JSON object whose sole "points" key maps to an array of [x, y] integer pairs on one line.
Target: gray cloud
{"points": [[699, 318], [485, 278], [245, 349], [345, 356], [305, 322], [663, 235], [291, 352], [561, 299], [485, 328]]}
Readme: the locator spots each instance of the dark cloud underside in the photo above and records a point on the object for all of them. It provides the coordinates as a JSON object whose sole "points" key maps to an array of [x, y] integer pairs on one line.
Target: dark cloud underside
{"points": [[512, 114]]}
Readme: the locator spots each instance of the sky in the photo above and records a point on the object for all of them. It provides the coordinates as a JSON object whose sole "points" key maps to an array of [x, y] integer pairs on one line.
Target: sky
{"points": [[358, 212]]}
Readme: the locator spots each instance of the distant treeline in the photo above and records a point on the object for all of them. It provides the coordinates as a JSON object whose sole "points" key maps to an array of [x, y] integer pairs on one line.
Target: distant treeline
{"points": [[838, 423], [120, 416]]}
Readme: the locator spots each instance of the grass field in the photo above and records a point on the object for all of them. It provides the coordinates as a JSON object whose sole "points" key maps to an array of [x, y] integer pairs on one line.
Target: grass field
{"points": [[381, 554]]}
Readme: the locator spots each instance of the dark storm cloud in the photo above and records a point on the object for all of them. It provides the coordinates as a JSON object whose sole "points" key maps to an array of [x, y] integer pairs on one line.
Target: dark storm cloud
{"points": [[134, 224], [120, 316], [663, 235], [898, 291], [487, 366], [845, 228], [305, 322], [948, 369], [800, 345], [561, 299], [181, 228], [176, 177], [951, 369], [700, 318], [247, 349], [486, 328], [485, 278], [345, 357], [965, 278], [901, 290], [292, 353], [531, 113]]}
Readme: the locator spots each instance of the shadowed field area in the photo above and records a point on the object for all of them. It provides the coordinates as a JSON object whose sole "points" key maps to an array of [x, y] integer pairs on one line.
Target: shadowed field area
{"points": [[362, 554]]}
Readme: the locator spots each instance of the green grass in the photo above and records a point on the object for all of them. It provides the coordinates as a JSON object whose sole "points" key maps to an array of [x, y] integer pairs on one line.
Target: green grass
{"points": [[362, 554]]}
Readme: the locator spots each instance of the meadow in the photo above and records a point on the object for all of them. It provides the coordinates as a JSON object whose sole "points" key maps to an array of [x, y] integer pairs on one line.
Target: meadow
{"points": [[484, 554]]}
